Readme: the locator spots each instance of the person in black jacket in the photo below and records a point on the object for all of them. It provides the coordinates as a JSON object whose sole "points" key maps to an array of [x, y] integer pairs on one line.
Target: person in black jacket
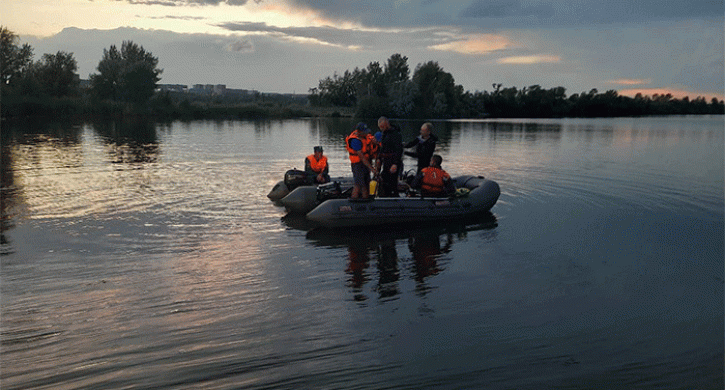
{"points": [[425, 145], [391, 157]]}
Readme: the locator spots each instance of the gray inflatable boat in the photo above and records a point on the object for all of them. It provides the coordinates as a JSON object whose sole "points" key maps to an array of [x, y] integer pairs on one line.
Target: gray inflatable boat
{"points": [[475, 195], [295, 179]]}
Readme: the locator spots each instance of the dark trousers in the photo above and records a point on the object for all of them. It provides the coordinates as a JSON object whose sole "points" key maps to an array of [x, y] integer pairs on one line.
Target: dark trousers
{"points": [[389, 183]]}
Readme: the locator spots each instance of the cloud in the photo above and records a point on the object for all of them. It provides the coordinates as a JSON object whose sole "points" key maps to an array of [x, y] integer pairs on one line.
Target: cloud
{"points": [[325, 36], [482, 14], [178, 3], [350, 38], [241, 46], [476, 44], [528, 60], [520, 13], [630, 81], [167, 3], [507, 8], [172, 17]]}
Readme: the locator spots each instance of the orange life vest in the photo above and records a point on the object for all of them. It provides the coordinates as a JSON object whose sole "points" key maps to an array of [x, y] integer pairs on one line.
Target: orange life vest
{"points": [[317, 166], [373, 147], [354, 158], [433, 180]]}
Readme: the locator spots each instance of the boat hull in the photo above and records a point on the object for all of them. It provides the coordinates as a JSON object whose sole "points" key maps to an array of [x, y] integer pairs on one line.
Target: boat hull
{"points": [[301, 200], [335, 213], [280, 189]]}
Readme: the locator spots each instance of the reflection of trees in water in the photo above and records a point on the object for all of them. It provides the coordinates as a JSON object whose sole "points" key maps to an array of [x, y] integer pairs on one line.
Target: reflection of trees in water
{"points": [[38, 130], [129, 141], [28, 143], [7, 198]]}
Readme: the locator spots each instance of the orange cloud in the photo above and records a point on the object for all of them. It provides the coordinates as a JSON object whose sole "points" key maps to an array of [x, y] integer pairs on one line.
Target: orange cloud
{"points": [[526, 60], [676, 93], [288, 15], [630, 81], [475, 44]]}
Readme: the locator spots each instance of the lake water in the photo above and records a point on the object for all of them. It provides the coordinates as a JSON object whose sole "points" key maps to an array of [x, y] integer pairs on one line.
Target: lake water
{"points": [[142, 255]]}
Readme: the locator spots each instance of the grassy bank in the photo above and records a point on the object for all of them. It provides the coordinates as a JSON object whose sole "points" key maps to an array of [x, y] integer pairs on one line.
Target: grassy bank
{"points": [[160, 107]]}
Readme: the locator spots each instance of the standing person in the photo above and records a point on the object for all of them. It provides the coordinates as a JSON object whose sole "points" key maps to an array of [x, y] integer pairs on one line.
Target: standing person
{"points": [[433, 180], [316, 167], [357, 145], [373, 152], [425, 145], [391, 157]]}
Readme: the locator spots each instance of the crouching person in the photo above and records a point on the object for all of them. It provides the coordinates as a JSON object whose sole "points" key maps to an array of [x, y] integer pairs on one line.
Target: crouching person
{"points": [[433, 180], [316, 167]]}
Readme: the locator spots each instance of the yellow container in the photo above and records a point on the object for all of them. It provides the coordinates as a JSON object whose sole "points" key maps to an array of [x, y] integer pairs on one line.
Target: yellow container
{"points": [[373, 186]]}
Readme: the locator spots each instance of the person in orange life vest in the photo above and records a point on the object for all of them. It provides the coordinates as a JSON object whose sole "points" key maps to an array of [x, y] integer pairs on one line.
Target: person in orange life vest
{"points": [[316, 167], [358, 147], [373, 153], [433, 180]]}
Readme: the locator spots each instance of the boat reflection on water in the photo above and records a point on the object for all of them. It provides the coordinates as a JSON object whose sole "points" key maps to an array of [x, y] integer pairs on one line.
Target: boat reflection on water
{"points": [[374, 253]]}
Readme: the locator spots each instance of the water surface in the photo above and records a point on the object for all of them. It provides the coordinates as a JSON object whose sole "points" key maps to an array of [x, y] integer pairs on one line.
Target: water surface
{"points": [[145, 255]]}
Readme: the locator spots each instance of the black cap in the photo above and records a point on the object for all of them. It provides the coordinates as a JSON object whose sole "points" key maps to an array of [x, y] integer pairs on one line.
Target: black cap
{"points": [[361, 126], [318, 149]]}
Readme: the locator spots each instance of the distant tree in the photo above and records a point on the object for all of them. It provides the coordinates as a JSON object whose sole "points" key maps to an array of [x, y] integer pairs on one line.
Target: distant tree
{"points": [[337, 90], [401, 96], [438, 95], [129, 75], [107, 84], [397, 70], [717, 106], [56, 74], [400, 91], [432, 93], [15, 61], [375, 80]]}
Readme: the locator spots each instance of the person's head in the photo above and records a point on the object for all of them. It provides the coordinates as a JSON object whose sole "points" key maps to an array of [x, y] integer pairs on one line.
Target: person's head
{"points": [[426, 129], [318, 151], [383, 123], [361, 127], [436, 161]]}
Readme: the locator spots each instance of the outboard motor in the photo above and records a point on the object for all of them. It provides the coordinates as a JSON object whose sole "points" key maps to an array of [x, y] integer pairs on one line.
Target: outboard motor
{"points": [[329, 191], [294, 178]]}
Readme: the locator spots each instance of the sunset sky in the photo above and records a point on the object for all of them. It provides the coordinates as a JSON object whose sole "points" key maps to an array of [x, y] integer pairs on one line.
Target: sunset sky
{"points": [[653, 46]]}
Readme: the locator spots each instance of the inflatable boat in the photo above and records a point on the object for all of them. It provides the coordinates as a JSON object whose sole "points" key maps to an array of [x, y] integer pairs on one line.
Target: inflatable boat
{"points": [[294, 179], [474, 194], [303, 199]]}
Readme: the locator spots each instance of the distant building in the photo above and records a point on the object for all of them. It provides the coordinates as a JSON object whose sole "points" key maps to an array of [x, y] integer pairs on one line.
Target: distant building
{"points": [[219, 90], [202, 89], [239, 92], [172, 88]]}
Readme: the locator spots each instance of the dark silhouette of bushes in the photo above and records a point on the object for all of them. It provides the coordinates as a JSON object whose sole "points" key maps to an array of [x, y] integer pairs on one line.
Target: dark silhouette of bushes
{"points": [[432, 93]]}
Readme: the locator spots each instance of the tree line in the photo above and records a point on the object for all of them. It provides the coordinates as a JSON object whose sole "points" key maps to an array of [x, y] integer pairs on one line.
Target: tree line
{"points": [[125, 84], [432, 93], [128, 77]]}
